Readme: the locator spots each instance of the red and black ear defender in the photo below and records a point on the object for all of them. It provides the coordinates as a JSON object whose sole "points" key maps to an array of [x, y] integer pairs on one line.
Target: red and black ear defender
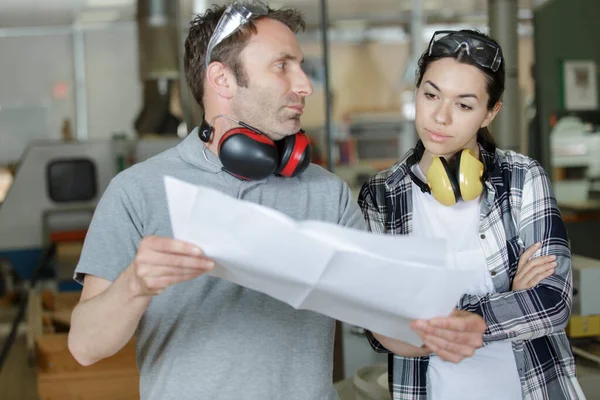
{"points": [[249, 154]]}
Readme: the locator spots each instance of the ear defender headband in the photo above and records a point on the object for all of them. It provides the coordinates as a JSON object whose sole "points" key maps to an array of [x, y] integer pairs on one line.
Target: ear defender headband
{"points": [[249, 154], [448, 183]]}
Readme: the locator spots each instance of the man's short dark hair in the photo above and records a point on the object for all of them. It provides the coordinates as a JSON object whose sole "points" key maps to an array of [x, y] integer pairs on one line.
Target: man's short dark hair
{"points": [[228, 51]]}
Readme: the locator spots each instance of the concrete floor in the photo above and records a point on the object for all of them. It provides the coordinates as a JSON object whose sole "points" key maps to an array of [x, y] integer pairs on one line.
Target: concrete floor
{"points": [[18, 378], [589, 379]]}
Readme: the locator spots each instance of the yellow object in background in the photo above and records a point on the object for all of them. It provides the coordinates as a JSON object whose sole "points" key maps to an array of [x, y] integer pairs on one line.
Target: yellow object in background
{"points": [[583, 326]]}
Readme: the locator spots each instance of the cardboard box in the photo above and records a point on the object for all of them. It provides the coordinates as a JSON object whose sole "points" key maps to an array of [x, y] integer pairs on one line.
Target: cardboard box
{"points": [[60, 377]]}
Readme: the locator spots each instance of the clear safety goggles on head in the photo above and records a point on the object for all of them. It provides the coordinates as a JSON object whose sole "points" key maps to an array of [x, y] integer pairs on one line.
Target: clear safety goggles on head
{"points": [[484, 52], [236, 15]]}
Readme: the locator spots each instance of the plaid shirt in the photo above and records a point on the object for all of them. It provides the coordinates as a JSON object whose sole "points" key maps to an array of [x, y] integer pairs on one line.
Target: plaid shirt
{"points": [[518, 210]]}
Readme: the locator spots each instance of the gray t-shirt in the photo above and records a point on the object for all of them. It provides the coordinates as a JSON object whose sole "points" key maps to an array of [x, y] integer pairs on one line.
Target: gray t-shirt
{"points": [[208, 338]]}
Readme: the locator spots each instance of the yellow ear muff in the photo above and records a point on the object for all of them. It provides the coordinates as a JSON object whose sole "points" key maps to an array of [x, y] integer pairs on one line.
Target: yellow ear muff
{"points": [[469, 173], [441, 183]]}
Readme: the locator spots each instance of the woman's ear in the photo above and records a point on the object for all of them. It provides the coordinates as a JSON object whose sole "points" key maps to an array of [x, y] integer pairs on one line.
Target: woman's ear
{"points": [[220, 79], [491, 114]]}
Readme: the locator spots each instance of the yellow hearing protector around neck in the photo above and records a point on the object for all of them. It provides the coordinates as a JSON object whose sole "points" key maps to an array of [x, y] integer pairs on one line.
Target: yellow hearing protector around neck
{"points": [[449, 184]]}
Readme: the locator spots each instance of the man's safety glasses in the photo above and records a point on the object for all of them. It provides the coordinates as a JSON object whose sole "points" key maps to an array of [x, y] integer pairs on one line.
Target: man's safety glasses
{"points": [[484, 52], [236, 15]]}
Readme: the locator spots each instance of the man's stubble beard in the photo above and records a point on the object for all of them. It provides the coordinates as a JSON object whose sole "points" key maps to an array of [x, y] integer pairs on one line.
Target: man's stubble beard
{"points": [[254, 112]]}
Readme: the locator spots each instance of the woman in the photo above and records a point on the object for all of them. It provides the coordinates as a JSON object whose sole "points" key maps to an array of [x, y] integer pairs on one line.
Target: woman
{"points": [[496, 209]]}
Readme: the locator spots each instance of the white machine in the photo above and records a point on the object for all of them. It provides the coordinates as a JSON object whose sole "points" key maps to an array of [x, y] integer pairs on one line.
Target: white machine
{"points": [[56, 188], [575, 148], [586, 282]]}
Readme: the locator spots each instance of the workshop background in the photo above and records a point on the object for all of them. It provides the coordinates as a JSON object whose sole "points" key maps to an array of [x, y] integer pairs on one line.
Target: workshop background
{"points": [[89, 87]]}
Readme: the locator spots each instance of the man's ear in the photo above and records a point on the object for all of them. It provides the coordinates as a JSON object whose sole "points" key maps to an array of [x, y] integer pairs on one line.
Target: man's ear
{"points": [[220, 79], [491, 114]]}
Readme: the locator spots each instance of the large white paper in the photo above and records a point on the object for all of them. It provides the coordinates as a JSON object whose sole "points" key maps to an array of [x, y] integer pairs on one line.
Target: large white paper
{"points": [[378, 282]]}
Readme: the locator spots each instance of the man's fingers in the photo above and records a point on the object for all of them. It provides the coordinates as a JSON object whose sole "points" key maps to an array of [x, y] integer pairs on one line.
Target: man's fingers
{"points": [[460, 323], [167, 245], [442, 353], [472, 339], [527, 254], [448, 346], [442, 348], [154, 271], [452, 338], [150, 258], [162, 282]]}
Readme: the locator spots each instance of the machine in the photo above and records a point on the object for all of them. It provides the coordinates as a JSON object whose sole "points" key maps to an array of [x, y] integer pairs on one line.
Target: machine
{"points": [[576, 150], [55, 190], [584, 325], [575, 146]]}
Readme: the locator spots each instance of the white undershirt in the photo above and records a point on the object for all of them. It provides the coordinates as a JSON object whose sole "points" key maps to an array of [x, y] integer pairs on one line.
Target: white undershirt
{"points": [[491, 373]]}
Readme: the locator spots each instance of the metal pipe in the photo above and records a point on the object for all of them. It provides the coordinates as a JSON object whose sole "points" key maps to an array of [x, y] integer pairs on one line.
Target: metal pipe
{"points": [[416, 28], [325, 45], [408, 137], [157, 38], [184, 93], [503, 20], [81, 114], [192, 111]]}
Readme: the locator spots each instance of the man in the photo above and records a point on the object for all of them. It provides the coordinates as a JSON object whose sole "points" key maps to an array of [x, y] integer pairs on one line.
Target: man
{"points": [[200, 337]]}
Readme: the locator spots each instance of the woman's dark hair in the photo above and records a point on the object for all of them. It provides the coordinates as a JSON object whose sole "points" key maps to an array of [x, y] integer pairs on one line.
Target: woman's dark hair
{"points": [[494, 79]]}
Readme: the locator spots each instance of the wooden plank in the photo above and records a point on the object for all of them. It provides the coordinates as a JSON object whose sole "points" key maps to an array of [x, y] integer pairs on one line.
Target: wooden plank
{"points": [[35, 324]]}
